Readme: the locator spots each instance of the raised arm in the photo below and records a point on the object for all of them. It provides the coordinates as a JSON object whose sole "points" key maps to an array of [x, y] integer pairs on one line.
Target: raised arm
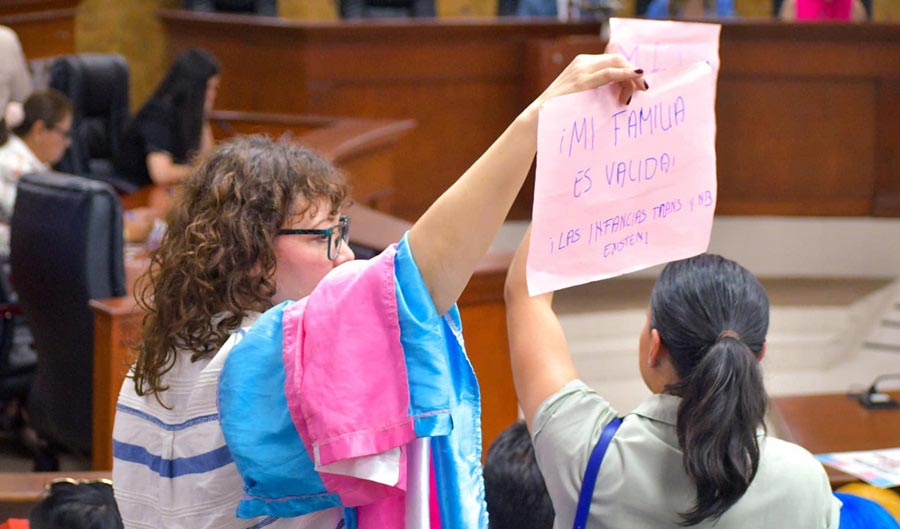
{"points": [[456, 231], [539, 353]]}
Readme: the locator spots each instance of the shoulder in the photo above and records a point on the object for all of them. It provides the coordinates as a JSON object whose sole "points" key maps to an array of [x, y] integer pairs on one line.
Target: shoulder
{"points": [[574, 407], [788, 455], [155, 110], [8, 37], [793, 466]]}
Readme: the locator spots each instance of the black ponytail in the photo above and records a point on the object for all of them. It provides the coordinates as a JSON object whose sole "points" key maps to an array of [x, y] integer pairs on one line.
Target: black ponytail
{"points": [[712, 315]]}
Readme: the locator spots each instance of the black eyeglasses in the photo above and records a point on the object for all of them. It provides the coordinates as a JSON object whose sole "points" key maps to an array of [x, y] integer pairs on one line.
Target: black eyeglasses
{"points": [[337, 235], [65, 133]]}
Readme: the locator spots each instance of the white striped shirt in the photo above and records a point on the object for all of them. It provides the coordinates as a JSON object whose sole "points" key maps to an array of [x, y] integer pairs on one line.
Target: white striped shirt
{"points": [[171, 467]]}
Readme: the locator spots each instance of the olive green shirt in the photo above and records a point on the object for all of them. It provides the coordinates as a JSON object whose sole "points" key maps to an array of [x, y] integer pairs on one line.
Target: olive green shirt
{"points": [[642, 482]]}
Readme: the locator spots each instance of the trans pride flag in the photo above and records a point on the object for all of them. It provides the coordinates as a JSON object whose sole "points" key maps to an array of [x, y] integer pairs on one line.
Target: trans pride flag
{"points": [[358, 397]]}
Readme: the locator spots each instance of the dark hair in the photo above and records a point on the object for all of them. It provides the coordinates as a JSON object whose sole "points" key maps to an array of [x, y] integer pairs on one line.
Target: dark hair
{"points": [[184, 87], [217, 259], [49, 106], [514, 488], [713, 315], [81, 506]]}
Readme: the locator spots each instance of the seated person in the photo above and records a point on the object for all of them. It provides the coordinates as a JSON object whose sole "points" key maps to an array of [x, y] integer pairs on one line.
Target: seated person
{"points": [[258, 7], [514, 489], [38, 142], [74, 504], [691, 9], [171, 128], [695, 453]]}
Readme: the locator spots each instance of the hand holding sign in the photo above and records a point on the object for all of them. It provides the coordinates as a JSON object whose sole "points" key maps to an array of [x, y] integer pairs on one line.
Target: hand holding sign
{"points": [[620, 188]]}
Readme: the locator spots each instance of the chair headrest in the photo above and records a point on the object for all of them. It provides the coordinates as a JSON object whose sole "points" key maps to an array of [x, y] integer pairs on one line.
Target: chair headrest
{"points": [[94, 82]]}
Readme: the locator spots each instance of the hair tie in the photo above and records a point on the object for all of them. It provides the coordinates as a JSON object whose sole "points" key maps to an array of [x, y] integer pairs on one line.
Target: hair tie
{"points": [[728, 334]]}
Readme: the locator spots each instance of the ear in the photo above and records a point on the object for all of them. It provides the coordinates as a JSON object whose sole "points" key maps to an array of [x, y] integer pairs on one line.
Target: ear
{"points": [[762, 352], [38, 127], [657, 350]]}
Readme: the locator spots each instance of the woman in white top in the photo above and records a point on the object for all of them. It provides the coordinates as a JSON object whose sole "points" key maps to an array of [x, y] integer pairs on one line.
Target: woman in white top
{"points": [[38, 142], [693, 454]]}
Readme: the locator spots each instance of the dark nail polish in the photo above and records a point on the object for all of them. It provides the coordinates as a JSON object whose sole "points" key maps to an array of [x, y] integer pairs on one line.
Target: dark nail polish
{"points": [[639, 71], [629, 100], [646, 86]]}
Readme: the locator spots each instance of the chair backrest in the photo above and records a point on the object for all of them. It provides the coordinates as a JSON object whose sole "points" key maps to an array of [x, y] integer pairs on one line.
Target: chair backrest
{"points": [[97, 85], [66, 248]]}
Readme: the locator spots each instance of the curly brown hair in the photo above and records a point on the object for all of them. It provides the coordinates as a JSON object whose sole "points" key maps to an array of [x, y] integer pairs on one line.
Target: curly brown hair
{"points": [[217, 260]]}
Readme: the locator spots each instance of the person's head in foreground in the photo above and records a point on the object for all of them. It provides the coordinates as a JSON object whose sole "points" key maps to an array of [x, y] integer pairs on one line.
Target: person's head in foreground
{"points": [[704, 337], [238, 241], [514, 488], [72, 504]]}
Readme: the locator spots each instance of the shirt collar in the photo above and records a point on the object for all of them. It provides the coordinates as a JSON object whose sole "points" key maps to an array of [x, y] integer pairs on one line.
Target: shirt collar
{"points": [[20, 145], [661, 407]]}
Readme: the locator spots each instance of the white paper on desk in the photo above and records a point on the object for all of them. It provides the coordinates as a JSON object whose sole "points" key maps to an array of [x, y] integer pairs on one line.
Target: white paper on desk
{"points": [[877, 467]]}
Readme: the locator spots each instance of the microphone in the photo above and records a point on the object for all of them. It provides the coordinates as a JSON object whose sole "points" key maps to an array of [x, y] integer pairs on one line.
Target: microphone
{"points": [[873, 399]]}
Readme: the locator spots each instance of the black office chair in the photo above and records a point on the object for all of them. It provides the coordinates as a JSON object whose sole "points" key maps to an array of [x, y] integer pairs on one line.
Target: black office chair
{"points": [[97, 85], [17, 364], [66, 248]]}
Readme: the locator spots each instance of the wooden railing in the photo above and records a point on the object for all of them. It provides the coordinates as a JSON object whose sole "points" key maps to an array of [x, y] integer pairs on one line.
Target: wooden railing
{"points": [[808, 114]]}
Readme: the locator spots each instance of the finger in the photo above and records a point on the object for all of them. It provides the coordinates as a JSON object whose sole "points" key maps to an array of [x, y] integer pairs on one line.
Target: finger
{"points": [[626, 93], [638, 84], [614, 75]]}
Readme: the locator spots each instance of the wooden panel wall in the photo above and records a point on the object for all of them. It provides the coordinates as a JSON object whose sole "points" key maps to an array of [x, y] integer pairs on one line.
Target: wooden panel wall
{"points": [[807, 116], [130, 28], [805, 111], [46, 28], [461, 80]]}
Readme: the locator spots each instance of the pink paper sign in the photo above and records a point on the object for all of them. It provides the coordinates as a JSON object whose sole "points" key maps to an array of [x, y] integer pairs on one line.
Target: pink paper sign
{"points": [[658, 45], [621, 188]]}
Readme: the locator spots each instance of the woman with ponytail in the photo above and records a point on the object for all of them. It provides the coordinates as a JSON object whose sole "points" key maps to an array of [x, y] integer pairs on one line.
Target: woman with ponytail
{"points": [[695, 453]]}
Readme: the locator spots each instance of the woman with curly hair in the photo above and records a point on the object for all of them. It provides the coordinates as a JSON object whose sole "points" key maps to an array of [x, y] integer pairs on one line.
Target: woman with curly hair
{"points": [[259, 223]]}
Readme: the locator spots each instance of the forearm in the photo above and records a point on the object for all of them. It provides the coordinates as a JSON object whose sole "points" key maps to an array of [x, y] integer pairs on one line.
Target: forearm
{"points": [[539, 355], [207, 142], [456, 231], [538, 351], [164, 171]]}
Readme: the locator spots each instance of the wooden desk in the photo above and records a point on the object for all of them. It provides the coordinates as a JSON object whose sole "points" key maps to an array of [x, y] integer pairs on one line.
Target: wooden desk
{"points": [[808, 114], [365, 149], [834, 423]]}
